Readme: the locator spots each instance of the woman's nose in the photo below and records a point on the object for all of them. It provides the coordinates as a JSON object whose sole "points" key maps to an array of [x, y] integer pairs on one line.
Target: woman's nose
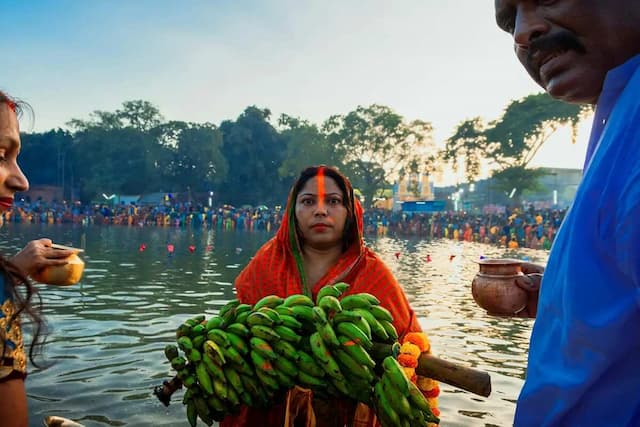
{"points": [[16, 180]]}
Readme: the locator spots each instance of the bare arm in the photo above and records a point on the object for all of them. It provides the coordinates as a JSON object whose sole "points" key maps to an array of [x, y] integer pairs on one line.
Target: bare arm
{"points": [[530, 282]]}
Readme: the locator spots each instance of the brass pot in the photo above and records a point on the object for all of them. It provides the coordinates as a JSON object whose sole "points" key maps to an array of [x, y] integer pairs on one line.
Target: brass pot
{"points": [[494, 287]]}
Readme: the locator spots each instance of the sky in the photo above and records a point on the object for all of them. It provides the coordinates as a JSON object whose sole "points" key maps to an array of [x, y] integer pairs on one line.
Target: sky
{"points": [[206, 61]]}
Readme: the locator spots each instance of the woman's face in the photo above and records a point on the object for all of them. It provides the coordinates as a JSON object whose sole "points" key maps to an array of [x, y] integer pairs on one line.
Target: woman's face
{"points": [[12, 179], [321, 219]]}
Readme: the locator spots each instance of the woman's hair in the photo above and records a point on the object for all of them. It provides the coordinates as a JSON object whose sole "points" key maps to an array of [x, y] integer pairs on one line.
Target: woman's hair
{"points": [[14, 277], [350, 232]]}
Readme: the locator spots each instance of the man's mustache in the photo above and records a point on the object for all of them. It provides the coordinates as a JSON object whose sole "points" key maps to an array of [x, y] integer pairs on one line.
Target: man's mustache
{"points": [[558, 42]]}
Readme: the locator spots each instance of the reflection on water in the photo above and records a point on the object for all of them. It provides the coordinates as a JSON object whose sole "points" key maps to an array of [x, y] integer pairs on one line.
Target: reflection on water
{"points": [[108, 332]]}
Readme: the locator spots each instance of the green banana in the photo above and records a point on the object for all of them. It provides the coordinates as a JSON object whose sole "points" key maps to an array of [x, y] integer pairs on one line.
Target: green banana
{"points": [[346, 316], [290, 322], [259, 318], [220, 388], [319, 315], [310, 380], [286, 349], [303, 313], [242, 317], [178, 363], [232, 354], [170, 352], [342, 287], [238, 343], [190, 380], [282, 364], [323, 355], [390, 329], [228, 307], [228, 317], [308, 364], [420, 402], [247, 399], [243, 368], [354, 301], [265, 332], [355, 334], [381, 313], [242, 308], [330, 304], [263, 347], [233, 378], [328, 335], [352, 366], [268, 380], [233, 397], [270, 301], [376, 328], [185, 343], [282, 309], [273, 315], [194, 355], [398, 400], [287, 334], [216, 404], [215, 371], [384, 407], [214, 323], [198, 341], [396, 375], [183, 331], [327, 290], [298, 299], [219, 337], [284, 380], [192, 413], [373, 300], [239, 329], [261, 363], [341, 385], [203, 378], [214, 352], [356, 351]]}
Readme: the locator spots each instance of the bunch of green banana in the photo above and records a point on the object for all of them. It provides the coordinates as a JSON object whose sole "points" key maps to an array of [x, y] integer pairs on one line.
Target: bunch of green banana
{"points": [[249, 354], [399, 402]]}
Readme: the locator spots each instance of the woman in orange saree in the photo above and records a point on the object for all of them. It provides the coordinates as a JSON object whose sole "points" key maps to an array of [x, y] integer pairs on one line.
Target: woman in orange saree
{"points": [[319, 242]]}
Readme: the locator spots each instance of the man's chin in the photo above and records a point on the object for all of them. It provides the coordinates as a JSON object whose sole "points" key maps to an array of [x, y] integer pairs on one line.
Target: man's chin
{"points": [[573, 87]]}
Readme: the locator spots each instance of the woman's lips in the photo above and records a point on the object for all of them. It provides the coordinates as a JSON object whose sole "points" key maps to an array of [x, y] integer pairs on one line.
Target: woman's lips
{"points": [[6, 202]]}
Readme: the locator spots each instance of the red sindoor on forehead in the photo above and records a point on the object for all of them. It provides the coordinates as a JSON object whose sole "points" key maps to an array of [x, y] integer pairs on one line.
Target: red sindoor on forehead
{"points": [[321, 191]]}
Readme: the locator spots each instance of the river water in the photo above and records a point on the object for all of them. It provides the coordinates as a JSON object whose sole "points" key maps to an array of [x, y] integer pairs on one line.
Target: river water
{"points": [[107, 333]]}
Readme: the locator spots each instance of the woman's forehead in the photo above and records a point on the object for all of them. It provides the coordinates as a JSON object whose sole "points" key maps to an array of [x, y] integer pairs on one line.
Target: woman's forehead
{"points": [[330, 186]]}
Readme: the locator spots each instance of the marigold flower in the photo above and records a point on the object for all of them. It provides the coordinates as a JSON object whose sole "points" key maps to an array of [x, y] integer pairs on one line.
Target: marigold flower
{"points": [[434, 392], [409, 348], [419, 339], [407, 360], [425, 383], [409, 372]]}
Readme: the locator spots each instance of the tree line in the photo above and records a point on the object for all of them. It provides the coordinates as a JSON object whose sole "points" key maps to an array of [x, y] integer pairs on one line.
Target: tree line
{"points": [[255, 158]]}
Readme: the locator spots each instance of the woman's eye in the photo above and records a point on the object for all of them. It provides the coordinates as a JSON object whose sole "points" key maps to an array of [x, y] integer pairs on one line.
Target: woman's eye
{"points": [[335, 202], [307, 202]]}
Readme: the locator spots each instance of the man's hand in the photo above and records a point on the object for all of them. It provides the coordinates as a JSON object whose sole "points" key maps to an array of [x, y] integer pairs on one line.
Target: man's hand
{"points": [[530, 282], [38, 254]]}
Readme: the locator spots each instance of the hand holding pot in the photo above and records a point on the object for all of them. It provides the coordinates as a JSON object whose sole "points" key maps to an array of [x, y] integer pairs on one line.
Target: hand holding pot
{"points": [[530, 283]]}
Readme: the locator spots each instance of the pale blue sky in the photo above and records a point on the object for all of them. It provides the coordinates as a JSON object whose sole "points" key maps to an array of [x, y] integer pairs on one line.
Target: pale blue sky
{"points": [[440, 61]]}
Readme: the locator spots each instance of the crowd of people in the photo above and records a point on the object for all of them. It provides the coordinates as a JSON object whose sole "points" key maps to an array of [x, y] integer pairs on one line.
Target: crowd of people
{"points": [[514, 228]]}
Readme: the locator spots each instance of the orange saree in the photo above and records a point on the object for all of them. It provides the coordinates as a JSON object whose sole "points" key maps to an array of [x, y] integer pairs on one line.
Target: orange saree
{"points": [[276, 269]]}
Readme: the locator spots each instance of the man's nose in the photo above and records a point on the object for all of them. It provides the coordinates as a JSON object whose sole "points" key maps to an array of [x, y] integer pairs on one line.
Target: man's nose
{"points": [[529, 25]]}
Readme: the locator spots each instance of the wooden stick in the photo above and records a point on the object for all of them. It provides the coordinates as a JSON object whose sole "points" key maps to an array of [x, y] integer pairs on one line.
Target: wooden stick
{"points": [[469, 379]]}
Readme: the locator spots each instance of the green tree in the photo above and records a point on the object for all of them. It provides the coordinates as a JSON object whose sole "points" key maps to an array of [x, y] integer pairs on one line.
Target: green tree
{"points": [[306, 145], [378, 139], [509, 143], [254, 151]]}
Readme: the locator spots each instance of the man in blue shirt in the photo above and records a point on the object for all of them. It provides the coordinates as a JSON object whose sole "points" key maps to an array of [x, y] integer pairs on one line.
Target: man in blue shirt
{"points": [[583, 364]]}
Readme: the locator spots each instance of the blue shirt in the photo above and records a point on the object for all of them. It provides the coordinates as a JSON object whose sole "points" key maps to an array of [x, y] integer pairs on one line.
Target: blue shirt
{"points": [[583, 366]]}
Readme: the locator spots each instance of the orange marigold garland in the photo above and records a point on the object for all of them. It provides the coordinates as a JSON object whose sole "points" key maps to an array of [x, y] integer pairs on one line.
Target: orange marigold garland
{"points": [[413, 345]]}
